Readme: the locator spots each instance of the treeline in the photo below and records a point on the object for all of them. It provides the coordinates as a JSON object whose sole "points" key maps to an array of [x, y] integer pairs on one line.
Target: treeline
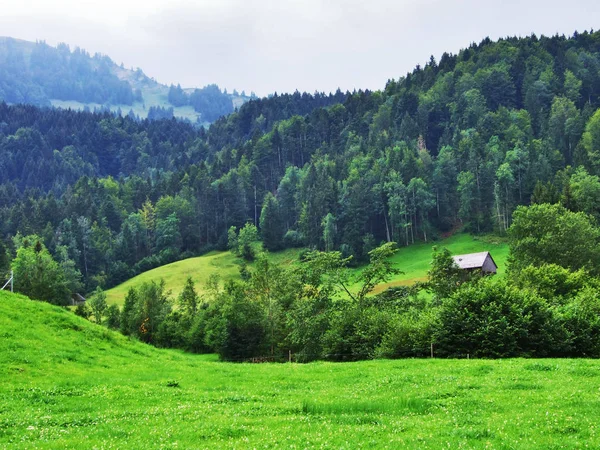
{"points": [[547, 306], [51, 149], [209, 101], [459, 143], [36, 72], [213, 104]]}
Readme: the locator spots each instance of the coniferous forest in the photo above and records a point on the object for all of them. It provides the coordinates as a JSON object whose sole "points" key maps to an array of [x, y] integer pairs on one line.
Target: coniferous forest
{"points": [[460, 143], [36, 72]]}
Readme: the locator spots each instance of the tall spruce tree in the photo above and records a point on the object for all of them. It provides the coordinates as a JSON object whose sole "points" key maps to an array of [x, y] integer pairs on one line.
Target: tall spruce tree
{"points": [[271, 224]]}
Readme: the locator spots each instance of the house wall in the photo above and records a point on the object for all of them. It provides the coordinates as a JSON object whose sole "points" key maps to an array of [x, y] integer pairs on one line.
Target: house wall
{"points": [[488, 265]]}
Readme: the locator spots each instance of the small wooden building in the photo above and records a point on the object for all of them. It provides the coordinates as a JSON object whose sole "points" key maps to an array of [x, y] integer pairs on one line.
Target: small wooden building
{"points": [[482, 261], [77, 299]]}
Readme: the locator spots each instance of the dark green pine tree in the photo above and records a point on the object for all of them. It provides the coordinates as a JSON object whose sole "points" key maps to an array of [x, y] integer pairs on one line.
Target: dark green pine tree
{"points": [[128, 321], [4, 260], [271, 224]]}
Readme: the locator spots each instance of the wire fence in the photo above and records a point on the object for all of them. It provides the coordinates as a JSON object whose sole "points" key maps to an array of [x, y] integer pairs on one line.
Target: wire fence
{"points": [[301, 357], [10, 281]]}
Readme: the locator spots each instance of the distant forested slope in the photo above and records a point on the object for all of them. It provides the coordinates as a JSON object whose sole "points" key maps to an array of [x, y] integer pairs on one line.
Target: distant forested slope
{"points": [[36, 73], [457, 143], [39, 74]]}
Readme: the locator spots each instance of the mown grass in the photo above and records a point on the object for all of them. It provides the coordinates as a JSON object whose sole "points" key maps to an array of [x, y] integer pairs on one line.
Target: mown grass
{"points": [[413, 261], [67, 383]]}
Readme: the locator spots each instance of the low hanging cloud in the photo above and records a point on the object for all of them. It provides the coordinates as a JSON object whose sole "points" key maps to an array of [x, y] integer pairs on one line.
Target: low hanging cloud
{"points": [[282, 46]]}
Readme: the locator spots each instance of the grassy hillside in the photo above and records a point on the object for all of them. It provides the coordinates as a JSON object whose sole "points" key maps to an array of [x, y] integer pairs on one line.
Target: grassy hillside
{"points": [[68, 383], [413, 261], [225, 264]]}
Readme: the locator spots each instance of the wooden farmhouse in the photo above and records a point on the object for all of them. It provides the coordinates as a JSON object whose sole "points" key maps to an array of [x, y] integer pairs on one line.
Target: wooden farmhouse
{"points": [[77, 299], [482, 261]]}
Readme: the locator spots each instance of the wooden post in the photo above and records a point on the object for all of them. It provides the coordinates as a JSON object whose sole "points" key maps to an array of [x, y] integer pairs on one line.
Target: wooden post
{"points": [[467, 356], [12, 280], [432, 349], [290, 356]]}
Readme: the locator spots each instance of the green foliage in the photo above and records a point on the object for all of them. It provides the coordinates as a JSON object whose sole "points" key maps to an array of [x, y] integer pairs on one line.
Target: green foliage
{"points": [[188, 298], [4, 259], [585, 192], [550, 234], [37, 274], [153, 305], [553, 282], [444, 277], [98, 305], [591, 141], [247, 236], [113, 317], [237, 330], [271, 224], [37, 72], [210, 102], [492, 319], [128, 323], [379, 270], [83, 310], [176, 96], [457, 144], [232, 239], [329, 232]]}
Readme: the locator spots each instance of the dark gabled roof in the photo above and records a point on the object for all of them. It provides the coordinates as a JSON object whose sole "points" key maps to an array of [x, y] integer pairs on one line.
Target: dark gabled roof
{"points": [[472, 260]]}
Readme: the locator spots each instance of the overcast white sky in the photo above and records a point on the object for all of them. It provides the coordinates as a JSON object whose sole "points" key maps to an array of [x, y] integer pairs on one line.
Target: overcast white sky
{"points": [[269, 45]]}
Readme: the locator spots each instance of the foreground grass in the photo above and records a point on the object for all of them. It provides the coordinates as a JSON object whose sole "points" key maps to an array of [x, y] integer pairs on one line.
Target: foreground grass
{"points": [[67, 383], [414, 261]]}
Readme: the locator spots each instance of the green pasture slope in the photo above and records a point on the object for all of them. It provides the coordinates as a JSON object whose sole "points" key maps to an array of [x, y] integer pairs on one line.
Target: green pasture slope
{"points": [[413, 261], [67, 383], [224, 264]]}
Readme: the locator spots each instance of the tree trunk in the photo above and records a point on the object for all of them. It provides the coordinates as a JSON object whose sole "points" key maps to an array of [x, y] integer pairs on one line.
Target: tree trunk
{"points": [[387, 230]]}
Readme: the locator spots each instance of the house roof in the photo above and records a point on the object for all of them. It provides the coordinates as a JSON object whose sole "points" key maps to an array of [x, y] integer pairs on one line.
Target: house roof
{"points": [[472, 260]]}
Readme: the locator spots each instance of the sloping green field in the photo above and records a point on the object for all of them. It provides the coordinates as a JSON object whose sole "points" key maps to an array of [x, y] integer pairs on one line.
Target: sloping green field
{"points": [[67, 383], [224, 264], [413, 261]]}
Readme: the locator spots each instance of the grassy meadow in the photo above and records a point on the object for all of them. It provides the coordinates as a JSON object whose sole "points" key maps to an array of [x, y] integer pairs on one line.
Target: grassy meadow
{"points": [[67, 383], [413, 261]]}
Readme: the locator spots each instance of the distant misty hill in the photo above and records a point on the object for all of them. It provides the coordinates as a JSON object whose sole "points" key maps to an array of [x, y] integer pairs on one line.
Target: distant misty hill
{"points": [[42, 75]]}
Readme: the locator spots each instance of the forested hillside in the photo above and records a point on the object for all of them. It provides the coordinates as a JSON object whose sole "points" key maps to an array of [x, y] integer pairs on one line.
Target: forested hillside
{"points": [[36, 72], [457, 143], [39, 74]]}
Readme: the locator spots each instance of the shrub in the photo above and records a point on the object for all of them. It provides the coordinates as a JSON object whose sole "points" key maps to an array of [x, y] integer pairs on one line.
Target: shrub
{"points": [[293, 239], [492, 319]]}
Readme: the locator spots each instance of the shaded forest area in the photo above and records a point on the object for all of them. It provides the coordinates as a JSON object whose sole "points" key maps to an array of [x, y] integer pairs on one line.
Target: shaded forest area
{"points": [[36, 72], [457, 143]]}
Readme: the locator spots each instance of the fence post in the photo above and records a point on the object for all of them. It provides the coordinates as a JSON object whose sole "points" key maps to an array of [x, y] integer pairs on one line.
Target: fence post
{"points": [[12, 280], [290, 356], [432, 349]]}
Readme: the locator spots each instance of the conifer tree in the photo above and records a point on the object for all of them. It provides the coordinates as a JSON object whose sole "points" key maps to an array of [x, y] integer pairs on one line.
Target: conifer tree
{"points": [[271, 225]]}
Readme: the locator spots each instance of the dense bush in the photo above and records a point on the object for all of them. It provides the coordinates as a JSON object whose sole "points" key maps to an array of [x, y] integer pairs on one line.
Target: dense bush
{"points": [[491, 318]]}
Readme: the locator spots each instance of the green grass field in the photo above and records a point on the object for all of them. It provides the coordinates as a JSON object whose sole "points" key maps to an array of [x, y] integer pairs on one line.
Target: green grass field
{"points": [[67, 383], [224, 264], [413, 261]]}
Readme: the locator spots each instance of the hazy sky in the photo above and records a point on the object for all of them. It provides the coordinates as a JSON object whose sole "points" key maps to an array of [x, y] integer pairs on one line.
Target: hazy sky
{"points": [[267, 46]]}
